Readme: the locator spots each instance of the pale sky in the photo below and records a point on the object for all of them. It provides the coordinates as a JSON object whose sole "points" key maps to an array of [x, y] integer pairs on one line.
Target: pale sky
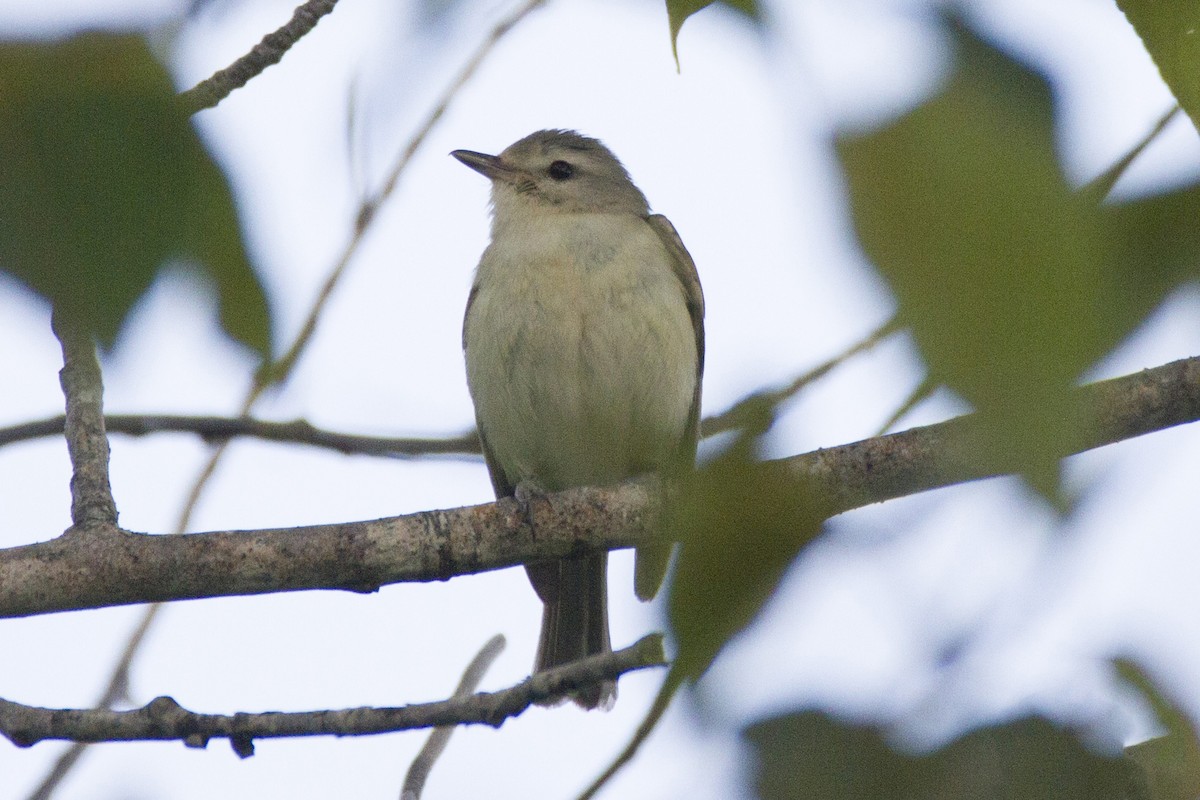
{"points": [[735, 150]]}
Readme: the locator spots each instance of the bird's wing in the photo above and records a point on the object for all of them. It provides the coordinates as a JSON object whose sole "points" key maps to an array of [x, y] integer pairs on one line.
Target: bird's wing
{"points": [[689, 280], [500, 482], [652, 559]]}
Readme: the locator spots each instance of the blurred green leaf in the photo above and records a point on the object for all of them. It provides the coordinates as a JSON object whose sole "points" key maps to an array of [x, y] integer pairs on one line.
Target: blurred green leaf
{"points": [[813, 756], [1013, 283], [1171, 763], [679, 10], [740, 523], [1170, 30], [103, 182]]}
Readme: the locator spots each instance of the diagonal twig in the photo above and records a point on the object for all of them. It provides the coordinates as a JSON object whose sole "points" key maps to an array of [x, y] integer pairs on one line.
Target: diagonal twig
{"points": [[439, 737], [267, 52]]}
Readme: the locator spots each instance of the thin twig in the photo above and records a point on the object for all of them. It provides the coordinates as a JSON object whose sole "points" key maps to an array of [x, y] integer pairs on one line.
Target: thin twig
{"points": [[92, 504], [269, 51], [751, 407], [117, 689], [921, 392], [653, 716], [1102, 184], [439, 737], [281, 369], [163, 719], [220, 429]]}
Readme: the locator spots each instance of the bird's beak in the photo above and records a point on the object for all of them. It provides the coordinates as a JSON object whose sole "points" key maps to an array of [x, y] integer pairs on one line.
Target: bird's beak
{"points": [[488, 166]]}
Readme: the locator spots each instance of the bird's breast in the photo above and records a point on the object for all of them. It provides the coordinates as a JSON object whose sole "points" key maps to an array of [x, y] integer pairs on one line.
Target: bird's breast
{"points": [[581, 356]]}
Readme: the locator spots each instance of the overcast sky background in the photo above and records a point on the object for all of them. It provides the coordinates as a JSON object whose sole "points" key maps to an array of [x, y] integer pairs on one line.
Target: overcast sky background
{"points": [[736, 151]]}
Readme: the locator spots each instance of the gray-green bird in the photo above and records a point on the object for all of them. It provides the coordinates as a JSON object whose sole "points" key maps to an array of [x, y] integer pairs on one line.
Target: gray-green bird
{"points": [[584, 342]]}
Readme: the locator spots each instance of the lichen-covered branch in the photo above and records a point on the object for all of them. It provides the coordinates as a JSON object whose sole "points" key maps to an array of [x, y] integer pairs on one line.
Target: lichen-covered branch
{"points": [[92, 505], [65, 574]]}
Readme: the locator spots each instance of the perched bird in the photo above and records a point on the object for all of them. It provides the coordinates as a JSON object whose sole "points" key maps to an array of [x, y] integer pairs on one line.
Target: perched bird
{"points": [[584, 344]]}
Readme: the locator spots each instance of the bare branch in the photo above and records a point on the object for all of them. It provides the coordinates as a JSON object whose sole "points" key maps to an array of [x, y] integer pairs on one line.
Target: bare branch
{"points": [[934, 456], [63, 574], [418, 771], [269, 51], [221, 429], [92, 505], [162, 719]]}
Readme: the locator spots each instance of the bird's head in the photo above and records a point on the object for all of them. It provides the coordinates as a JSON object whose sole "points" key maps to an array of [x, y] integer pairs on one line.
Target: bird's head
{"points": [[557, 171]]}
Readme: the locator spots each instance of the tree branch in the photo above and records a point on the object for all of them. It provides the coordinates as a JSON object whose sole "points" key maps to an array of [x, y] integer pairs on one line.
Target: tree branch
{"points": [[221, 429], [163, 719], [92, 505], [62, 574], [269, 51], [935, 456]]}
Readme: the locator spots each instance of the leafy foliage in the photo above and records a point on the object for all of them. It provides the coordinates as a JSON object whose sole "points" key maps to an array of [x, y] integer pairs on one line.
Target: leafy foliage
{"points": [[1169, 31], [679, 10], [740, 523], [813, 756], [1012, 282], [103, 182], [1171, 762]]}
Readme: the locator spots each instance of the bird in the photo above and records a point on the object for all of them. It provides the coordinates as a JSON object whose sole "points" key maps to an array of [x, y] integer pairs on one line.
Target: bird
{"points": [[584, 346]]}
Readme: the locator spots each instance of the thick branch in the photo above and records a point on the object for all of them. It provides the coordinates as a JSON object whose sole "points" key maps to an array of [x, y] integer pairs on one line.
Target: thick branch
{"points": [[934, 456], [267, 52], [65, 575], [62, 574], [92, 505], [162, 719]]}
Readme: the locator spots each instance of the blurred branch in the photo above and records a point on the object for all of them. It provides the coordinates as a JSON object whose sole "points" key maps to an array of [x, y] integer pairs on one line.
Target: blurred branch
{"points": [[64, 574], [163, 719], [920, 393], [269, 51], [418, 771], [92, 505], [768, 401], [281, 369], [1100, 186]]}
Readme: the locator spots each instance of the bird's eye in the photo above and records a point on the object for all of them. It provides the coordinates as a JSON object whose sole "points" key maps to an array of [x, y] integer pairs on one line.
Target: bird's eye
{"points": [[560, 170]]}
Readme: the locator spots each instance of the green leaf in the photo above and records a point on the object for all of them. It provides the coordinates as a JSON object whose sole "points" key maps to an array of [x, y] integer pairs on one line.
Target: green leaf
{"points": [[1170, 30], [1013, 283], [740, 523], [679, 10], [103, 182], [813, 756], [1171, 763]]}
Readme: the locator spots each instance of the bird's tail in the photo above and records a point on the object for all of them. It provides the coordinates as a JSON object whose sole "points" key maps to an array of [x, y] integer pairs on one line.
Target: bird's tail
{"points": [[574, 618]]}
